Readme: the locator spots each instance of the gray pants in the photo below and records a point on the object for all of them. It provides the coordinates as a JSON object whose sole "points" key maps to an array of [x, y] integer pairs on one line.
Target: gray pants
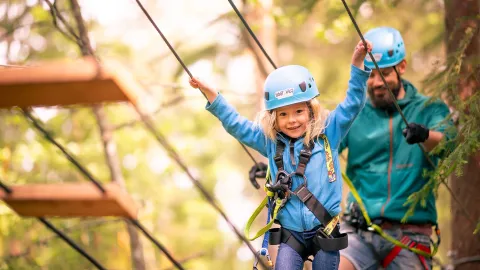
{"points": [[366, 249]]}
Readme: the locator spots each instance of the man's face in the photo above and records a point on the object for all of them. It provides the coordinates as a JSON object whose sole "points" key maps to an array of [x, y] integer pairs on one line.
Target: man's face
{"points": [[377, 91]]}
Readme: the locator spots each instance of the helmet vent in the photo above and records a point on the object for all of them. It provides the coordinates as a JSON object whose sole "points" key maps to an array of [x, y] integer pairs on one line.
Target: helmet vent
{"points": [[390, 53], [303, 86], [266, 96]]}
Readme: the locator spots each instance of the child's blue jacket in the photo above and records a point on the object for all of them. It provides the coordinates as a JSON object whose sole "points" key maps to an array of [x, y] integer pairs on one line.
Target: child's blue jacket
{"points": [[295, 215]]}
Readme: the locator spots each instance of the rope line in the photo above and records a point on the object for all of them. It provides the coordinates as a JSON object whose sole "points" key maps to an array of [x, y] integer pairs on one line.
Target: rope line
{"points": [[183, 64], [60, 234], [252, 34], [71, 243], [87, 174], [164, 38], [65, 152]]}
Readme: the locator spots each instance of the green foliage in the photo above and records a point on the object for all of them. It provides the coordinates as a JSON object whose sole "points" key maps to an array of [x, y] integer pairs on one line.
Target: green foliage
{"points": [[444, 82]]}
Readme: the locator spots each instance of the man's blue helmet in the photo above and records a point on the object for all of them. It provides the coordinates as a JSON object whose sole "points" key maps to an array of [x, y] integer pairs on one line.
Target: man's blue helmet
{"points": [[388, 47], [289, 85]]}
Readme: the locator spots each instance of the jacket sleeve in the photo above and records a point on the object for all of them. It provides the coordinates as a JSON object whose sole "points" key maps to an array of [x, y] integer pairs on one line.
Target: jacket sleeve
{"points": [[436, 115], [238, 126], [340, 119]]}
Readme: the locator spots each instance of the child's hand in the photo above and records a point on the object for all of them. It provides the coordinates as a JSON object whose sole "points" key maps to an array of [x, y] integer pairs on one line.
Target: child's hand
{"points": [[206, 90], [359, 53]]}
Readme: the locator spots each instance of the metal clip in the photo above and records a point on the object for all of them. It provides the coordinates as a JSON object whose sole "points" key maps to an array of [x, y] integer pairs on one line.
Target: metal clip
{"points": [[263, 252]]}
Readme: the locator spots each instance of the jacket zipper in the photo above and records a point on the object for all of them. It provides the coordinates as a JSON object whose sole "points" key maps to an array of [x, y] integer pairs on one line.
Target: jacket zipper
{"points": [[390, 165], [292, 153]]}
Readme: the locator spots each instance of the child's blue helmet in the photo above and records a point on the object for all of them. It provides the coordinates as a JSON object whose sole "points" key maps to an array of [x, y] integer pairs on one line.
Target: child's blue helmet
{"points": [[289, 85], [388, 47]]}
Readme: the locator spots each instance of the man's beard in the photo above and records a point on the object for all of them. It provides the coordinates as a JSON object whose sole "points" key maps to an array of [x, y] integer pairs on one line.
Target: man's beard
{"points": [[384, 102]]}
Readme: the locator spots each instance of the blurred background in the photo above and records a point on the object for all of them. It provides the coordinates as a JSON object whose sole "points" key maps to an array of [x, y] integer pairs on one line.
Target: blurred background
{"points": [[214, 44]]}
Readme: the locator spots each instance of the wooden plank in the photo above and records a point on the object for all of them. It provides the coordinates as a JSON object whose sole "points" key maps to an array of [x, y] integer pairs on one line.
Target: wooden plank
{"points": [[65, 83], [69, 200]]}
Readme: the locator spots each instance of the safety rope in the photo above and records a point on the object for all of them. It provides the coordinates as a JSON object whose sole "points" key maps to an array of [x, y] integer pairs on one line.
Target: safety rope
{"points": [[380, 231], [188, 71], [252, 34], [89, 176], [60, 234]]}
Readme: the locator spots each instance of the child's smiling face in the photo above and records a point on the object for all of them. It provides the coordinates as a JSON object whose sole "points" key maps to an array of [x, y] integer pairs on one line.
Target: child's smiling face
{"points": [[293, 119]]}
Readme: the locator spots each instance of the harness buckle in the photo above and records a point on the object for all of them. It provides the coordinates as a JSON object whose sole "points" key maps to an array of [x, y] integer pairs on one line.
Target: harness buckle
{"points": [[278, 159], [282, 186], [305, 155], [303, 193]]}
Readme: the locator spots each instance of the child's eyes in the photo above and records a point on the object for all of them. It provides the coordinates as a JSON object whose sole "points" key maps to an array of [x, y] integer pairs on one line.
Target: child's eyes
{"points": [[299, 111], [282, 114]]}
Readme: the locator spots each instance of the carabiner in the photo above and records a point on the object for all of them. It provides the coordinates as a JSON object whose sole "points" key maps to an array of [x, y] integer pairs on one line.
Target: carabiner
{"points": [[263, 252]]}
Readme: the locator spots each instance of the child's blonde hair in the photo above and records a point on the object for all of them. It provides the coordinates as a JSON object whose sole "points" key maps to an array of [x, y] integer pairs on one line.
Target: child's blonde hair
{"points": [[315, 127]]}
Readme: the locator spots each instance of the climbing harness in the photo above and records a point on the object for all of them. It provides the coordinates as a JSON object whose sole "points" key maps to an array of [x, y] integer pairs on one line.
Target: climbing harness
{"points": [[328, 236], [411, 244], [371, 226]]}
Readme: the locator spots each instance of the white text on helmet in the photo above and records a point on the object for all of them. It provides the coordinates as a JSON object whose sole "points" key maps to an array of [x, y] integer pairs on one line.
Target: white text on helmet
{"points": [[284, 93]]}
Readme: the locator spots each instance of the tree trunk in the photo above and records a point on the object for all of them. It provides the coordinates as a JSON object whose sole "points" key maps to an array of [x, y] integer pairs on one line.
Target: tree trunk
{"points": [[138, 261], [460, 15], [136, 249]]}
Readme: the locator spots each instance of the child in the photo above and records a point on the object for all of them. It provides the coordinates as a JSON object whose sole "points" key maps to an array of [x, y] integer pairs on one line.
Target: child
{"points": [[291, 128]]}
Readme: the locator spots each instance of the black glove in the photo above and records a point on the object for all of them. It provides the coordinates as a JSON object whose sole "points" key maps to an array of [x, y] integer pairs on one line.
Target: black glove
{"points": [[415, 133], [257, 172]]}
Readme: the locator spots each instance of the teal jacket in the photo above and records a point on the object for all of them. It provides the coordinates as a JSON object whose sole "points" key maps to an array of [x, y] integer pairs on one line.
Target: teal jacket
{"points": [[383, 167], [295, 215]]}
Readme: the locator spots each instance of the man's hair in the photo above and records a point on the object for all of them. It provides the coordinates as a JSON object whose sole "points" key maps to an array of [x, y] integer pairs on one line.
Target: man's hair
{"points": [[315, 127]]}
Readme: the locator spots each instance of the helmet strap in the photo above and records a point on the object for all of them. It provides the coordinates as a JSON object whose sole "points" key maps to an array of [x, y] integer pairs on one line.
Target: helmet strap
{"points": [[398, 76]]}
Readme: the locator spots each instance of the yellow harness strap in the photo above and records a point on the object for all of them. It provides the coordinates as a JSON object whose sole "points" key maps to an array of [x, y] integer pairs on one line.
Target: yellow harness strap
{"points": [[378, 229]]}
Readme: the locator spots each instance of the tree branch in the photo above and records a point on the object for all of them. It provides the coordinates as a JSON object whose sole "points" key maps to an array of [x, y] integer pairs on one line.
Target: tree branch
{"points": [[42, 242], [56, 14]]}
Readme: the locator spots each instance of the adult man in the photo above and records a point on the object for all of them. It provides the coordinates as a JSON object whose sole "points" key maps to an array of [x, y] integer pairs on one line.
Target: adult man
{"points": [[386, 166]]}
